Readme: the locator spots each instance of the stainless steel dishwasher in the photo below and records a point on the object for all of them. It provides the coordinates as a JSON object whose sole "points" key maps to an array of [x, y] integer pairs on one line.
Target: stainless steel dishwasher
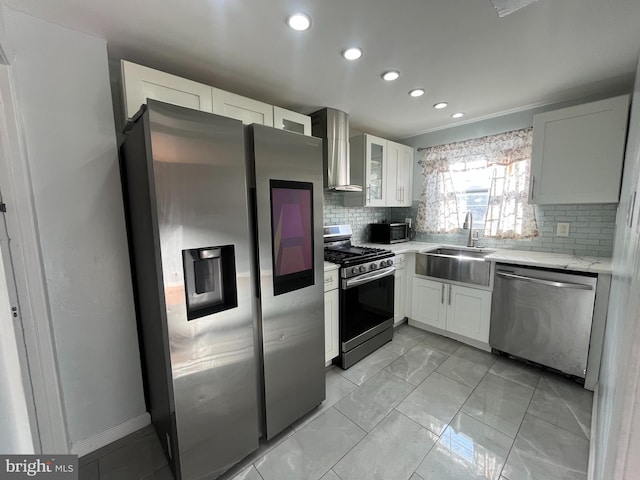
{"points": [[543, 316]]}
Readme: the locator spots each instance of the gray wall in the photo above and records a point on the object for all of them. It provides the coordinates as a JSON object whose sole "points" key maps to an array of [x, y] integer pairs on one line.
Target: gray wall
{"points": [[617, 432], [64, 98]]}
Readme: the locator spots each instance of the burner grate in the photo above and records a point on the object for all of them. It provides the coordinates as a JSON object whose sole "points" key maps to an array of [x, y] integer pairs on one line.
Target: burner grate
{"points": [[353, 255]]}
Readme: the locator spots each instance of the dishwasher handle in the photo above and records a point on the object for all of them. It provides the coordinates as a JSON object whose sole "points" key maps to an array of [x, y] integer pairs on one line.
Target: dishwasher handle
{"points": [[550, 283]]}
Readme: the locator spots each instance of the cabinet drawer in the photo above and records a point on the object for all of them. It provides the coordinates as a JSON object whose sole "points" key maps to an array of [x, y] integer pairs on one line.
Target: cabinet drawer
{"points": [[331, 280]]}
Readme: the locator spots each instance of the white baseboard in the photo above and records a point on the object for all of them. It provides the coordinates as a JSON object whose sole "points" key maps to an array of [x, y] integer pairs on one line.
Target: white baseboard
{"points": [[100, 440]]}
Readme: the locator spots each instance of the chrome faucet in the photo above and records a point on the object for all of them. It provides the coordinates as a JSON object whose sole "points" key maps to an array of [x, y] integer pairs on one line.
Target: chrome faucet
{"points": [[468, 224]]}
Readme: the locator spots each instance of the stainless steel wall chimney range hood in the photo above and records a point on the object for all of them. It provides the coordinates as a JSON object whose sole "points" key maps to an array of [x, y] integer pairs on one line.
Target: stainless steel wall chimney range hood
{"points": [[333, 127]]}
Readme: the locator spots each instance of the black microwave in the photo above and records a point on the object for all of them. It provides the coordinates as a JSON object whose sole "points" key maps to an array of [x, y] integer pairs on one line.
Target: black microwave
{"points": [[389, 232]]}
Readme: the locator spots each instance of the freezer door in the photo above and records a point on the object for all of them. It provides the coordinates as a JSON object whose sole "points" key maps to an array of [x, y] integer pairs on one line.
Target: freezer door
{"points": [[543, 316], [288, 209], [195, 221]]}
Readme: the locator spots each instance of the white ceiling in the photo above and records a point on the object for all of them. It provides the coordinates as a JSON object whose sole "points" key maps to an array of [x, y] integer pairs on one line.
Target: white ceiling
{"points": [[460, 51]]}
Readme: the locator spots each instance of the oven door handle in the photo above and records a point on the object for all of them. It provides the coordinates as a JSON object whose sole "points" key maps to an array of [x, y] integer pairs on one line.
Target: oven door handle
{"points": [[369, 277]]}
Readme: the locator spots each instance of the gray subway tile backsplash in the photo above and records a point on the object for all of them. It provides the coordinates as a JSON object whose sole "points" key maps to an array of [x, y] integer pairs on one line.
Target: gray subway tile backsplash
{"points": [[590, 234]]}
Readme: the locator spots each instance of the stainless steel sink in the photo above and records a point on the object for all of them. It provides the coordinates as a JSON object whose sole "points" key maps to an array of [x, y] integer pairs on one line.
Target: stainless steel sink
{"points": [[456, 264]]}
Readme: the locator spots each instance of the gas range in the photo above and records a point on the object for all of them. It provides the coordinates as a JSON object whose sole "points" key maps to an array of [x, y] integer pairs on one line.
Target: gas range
{"points": [[356, 260], [338, 249], [366, 294]]}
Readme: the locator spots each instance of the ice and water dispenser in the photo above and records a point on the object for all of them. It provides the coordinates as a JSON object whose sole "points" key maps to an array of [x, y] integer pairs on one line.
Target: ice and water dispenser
{"points": [[210, 280]]}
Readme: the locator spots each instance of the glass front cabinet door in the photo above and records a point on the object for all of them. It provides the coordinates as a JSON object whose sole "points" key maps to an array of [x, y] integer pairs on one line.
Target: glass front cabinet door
{"points": [[375, 164]]}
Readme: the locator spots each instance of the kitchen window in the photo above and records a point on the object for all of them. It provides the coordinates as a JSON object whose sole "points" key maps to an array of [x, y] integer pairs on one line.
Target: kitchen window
{"points": [[488, 176]]}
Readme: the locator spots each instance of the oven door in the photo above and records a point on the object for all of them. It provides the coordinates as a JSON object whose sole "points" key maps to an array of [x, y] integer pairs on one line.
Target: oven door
{"points": [[366, 307]]}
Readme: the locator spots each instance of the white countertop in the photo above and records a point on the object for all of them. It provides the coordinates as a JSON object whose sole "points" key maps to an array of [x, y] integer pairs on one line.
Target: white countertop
{"points": [[518, 257], [328, 266], [552, 260]]}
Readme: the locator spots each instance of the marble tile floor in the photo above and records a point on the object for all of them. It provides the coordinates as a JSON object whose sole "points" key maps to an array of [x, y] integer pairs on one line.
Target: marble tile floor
{"points": [[422, 407]]}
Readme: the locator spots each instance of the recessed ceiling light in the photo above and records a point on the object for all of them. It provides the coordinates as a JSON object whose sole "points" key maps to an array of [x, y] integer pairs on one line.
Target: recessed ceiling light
{"points": [[440, 105], [391, 75], [353, 53], [299, 21], [416, 92], [457, 115]]}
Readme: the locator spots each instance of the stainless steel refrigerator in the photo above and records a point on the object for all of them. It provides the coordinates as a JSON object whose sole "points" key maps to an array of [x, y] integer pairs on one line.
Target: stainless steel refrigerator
{"points": [[225, 235]]}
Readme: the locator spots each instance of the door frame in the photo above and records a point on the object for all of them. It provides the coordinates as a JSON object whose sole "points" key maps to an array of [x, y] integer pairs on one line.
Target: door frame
{"points": [[28, 268], [16, 394]]}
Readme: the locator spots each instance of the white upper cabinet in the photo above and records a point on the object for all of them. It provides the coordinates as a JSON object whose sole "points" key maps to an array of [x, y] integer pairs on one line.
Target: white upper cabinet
{"points": [[405, 176], [375, 171], [399, 175], [291, 121], [578, 153], [394, 193], [142, 82], [241, 108], [384, 169]]}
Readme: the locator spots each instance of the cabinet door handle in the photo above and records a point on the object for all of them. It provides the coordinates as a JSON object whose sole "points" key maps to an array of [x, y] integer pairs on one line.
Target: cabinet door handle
{"points": [[368, 193], [533, 185], [442, 294], [630, 209], [449, 294], [398, 193]]}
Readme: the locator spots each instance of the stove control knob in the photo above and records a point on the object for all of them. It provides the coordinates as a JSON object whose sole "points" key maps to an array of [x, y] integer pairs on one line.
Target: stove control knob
{"points": [[389, 262], [354, 270], [362, 269], [374, 266]]}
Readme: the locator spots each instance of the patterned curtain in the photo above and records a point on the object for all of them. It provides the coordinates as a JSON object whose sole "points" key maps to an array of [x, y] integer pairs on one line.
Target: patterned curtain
{"points": [[509, 214], [507, 156], [438, 207]]}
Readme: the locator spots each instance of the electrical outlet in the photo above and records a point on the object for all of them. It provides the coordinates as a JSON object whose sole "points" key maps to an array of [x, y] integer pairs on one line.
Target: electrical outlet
{"points": [[562, 230]]}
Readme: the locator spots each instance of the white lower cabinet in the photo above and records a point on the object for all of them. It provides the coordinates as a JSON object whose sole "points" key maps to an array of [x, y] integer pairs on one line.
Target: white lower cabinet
{"points": [[400, 290], [331, 312], [428, 303], [454, 308], [469, 312]]}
